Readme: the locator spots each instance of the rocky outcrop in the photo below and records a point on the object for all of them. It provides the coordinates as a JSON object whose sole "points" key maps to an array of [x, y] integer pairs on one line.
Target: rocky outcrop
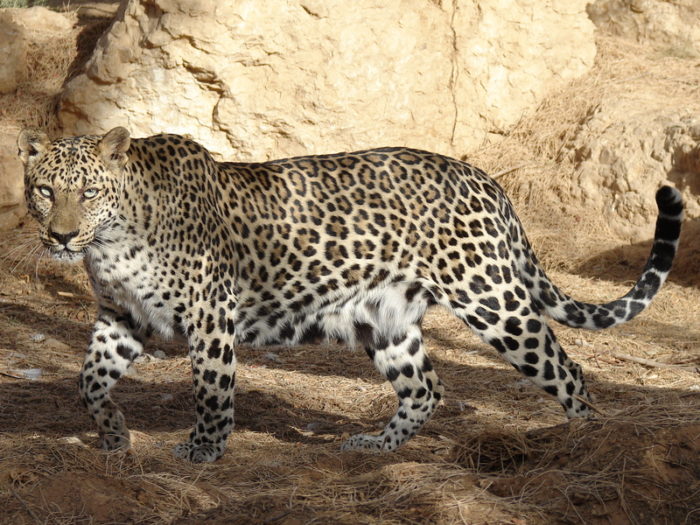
{"points": [[673, 23], [623, 157], [256, 79], [12, 207], [13, 66]]}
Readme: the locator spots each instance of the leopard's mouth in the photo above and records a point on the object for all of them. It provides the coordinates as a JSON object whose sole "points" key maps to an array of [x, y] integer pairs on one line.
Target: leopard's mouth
{"points": [[62, 253]]}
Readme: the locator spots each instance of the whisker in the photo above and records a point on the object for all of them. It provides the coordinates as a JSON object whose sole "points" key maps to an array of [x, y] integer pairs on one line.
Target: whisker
{"points": [[42, 253], [22, 259]]}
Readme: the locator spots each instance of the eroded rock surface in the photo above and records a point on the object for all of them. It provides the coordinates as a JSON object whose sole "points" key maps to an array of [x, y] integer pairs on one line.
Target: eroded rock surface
{"points": [[12, 207], [258, 79], [623, 157], [674, 23], [13, 66]]}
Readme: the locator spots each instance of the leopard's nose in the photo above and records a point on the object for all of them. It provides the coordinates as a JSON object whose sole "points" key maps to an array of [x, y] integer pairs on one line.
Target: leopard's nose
{"points": [[63, 238]]}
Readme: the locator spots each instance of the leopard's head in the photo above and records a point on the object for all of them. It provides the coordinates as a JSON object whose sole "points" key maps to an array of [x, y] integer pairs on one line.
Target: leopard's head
{"points": [[73, 186]]}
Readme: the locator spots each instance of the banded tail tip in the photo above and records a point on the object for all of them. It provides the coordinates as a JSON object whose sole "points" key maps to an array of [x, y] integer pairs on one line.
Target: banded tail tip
{"points": [[669, 201]]}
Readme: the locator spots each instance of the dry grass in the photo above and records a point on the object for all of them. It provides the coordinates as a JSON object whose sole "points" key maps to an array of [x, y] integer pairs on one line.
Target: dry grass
{"points": [[497, 451]]}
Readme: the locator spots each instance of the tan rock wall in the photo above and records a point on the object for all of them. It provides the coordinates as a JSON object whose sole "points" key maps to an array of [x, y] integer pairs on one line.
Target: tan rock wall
{"points": [[256, 79], [673, 23], [623, 156], [13, 67]]}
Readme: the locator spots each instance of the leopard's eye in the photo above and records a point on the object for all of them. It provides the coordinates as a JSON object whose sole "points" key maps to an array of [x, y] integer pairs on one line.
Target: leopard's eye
{"points": [[90, 193], [45, 191]]}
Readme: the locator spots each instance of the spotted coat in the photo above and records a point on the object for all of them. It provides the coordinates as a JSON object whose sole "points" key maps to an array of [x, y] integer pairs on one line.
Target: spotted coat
{"points": [[351, 246]]}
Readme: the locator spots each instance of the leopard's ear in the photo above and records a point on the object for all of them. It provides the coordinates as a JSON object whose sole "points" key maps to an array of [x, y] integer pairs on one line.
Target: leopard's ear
{"points": [[32, 144], [113, 147]]}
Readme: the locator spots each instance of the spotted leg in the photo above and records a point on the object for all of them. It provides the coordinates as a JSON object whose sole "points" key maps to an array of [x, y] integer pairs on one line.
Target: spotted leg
{"points": [[404, 362], [115, 343], [214, 377], [512, 325]]}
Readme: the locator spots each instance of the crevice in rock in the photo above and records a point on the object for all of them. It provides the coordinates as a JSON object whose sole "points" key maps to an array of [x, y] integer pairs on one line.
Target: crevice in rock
{"points": [[454, 72]]}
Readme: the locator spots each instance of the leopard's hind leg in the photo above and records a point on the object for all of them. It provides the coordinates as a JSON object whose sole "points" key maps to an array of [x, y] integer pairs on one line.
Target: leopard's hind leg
{"points": [[504, 315], [391, 333]]}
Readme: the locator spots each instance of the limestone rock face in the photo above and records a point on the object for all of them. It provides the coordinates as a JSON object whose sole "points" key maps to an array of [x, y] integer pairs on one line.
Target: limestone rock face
{"points": [[675, 23], [12, 207], [623, 157], [13, 47], [260, 79]]}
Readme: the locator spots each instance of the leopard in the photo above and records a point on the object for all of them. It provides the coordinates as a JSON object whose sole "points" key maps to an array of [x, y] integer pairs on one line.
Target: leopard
{"points": [[353, 247]]}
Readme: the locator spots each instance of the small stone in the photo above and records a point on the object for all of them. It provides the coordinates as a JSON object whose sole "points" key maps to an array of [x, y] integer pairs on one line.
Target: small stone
{"points": [[159, 354], [37, 338], [13, 66]]}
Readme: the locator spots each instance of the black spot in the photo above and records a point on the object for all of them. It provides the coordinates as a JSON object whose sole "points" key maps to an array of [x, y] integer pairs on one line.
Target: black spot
{"points": [[407, 370], [531, 343], [534, 326], [364, 333], [404, 393], [548, 370], [412, 290], [528, 370], [498, 345], [392, 373], [214, 351], [125, 352], [212, 403], [551, 389], [511, 343], [532, 358], [490, 317], [513, 326], [491, 303], [224, 381], [209, 376]]}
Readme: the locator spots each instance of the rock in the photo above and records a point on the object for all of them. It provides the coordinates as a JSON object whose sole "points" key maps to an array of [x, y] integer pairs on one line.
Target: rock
{"points": [[12, 207], [673, 23], [41, 23], [256, 79], [13, 46], [623, 157]]}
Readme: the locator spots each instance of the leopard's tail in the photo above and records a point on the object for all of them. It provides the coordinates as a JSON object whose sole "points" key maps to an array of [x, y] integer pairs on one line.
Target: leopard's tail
{"points": [[570, 312]]}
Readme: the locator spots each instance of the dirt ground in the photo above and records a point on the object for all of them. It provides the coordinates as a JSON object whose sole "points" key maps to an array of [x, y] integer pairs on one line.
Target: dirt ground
{"points": [[499, 451]]}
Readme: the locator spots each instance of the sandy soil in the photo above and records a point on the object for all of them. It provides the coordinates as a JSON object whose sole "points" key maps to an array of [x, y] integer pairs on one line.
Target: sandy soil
{"points": [[498, 451]]}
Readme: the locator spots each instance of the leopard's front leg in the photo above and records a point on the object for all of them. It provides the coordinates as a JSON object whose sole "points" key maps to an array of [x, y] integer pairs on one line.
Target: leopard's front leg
{"points": [[214, 377], [116, 342]]}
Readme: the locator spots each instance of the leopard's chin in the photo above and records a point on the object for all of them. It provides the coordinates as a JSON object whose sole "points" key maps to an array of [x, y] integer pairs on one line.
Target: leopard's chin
{"points": [[67, 255]]}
